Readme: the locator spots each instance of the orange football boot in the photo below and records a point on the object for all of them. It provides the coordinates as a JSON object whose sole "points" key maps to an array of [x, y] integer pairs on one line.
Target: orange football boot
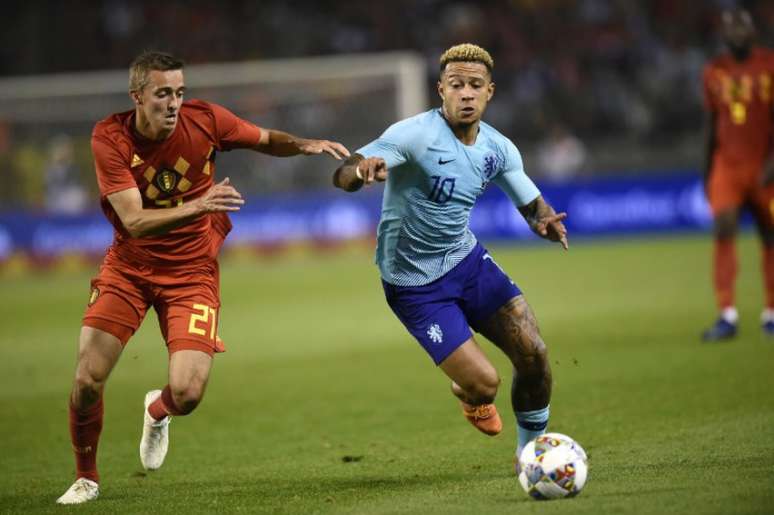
{"points": [[484, 417]]}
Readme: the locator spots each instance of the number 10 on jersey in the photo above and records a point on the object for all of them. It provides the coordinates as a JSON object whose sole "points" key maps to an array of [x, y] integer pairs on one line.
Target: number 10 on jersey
{"points": [[443, 188]]}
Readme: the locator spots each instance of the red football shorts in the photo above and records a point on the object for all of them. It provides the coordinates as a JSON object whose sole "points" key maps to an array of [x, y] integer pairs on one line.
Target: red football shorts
{"points": [[735, 188], [186, 302]]}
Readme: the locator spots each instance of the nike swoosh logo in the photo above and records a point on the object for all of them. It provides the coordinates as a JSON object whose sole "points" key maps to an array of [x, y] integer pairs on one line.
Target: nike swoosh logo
{"points": [[442, 162]]}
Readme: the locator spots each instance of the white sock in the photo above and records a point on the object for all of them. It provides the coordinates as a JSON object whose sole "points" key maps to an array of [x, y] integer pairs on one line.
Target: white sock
{"points": [[767, 315], [531, 424], [730, 315]]}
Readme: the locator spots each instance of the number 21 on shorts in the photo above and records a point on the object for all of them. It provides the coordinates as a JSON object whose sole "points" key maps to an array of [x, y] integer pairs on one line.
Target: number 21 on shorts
{"points": [[203, 320]]}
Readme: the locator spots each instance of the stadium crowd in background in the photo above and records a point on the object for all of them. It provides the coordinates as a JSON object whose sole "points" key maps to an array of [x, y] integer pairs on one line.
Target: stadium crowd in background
{"points": [[628, 86], [622, 71]]}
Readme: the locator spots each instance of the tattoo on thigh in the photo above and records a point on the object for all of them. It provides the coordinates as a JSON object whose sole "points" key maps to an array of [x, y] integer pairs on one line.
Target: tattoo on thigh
{"points": [[514, 328]]}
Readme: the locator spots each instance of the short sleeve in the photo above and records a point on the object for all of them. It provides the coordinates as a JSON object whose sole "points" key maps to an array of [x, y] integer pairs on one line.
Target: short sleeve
{"points": [[233, 132], [513, 180], [113, 171], [401, 142]]}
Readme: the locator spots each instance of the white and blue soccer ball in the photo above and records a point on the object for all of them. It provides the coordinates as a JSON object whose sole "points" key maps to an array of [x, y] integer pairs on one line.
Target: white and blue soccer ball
{"points": [[553, 466]]}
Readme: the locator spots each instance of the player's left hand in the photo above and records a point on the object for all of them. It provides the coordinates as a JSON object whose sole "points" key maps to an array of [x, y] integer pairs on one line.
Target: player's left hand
{"points": [[552, 228], [318, 146]]}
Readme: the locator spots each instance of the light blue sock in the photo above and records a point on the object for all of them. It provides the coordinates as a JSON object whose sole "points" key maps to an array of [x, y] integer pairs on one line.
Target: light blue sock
{"points": [[531, 425]]}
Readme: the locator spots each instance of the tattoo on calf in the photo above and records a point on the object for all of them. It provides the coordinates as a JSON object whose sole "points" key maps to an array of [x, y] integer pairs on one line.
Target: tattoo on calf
{"points": [[528, 328]]}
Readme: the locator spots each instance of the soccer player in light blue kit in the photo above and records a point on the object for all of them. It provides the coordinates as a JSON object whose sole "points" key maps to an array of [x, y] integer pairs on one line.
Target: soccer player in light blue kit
{"points": [[437, 278]]}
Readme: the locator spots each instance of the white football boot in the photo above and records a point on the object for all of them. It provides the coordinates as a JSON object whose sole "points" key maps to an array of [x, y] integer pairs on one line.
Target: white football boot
{"points": [[155, 436], [83, 490]]}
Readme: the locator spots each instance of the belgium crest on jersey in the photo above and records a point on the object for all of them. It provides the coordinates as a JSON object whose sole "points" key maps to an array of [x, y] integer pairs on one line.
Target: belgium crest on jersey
{"points": [[166, 180]]}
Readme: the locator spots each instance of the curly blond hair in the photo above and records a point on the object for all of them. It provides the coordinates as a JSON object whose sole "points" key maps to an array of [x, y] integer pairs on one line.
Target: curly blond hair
{"points": [[467, 52]]}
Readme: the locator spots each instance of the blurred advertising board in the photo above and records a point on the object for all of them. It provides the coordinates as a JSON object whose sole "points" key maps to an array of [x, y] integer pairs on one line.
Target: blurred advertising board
{"points": [[645, 203]]}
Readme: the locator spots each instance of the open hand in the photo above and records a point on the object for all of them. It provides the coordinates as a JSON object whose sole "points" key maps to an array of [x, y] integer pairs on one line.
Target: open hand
{"points": [[318, 146], [220, 197]]}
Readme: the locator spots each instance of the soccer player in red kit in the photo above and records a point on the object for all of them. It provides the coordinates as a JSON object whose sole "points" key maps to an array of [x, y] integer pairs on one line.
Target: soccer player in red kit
{"points": [[738, 92], [155, 167]]}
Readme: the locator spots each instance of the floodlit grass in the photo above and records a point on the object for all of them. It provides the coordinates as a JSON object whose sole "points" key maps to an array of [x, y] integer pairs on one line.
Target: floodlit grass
{"points": [[324, 404]]}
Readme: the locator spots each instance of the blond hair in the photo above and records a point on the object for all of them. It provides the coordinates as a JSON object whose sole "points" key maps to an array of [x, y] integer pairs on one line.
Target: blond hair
{"points": [[467, 52]]}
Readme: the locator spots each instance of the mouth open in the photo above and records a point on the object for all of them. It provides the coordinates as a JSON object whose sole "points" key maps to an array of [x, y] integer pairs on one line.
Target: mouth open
{"points": [[468, 110]]}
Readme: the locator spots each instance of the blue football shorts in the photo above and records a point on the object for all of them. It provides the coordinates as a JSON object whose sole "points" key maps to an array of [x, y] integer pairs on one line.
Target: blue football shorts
{"points": [[440, 314]]}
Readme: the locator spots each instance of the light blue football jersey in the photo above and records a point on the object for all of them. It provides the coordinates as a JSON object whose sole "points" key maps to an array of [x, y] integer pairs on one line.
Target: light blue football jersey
{"points": [[433, 182]]}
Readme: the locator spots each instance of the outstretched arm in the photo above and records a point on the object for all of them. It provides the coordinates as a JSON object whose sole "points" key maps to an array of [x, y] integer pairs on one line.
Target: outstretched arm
{"points": [[544, 221], [234, 132], [357, 171], [282, 144]]}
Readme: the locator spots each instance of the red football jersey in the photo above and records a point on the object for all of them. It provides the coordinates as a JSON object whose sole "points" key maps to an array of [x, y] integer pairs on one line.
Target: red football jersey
{"points": [[740, 96], [168, 173]]}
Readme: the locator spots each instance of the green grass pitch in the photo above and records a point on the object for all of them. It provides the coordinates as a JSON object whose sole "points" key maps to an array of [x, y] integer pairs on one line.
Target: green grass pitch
{"points": [[324, 404]]}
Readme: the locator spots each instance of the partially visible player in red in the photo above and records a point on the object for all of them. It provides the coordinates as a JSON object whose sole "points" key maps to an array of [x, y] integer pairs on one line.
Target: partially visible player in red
{"points": [[740, 162], [155, 167]]}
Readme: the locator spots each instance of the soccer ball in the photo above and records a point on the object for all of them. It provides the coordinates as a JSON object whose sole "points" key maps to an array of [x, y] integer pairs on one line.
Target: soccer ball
{"points": [[553, 466]]}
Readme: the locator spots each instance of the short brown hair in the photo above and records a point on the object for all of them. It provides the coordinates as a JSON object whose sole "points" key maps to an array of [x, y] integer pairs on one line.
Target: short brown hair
{"points": [[467, 52], [148, 61]]}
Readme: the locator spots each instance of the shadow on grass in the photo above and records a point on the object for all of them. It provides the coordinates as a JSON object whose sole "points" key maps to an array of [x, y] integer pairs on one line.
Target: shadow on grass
{"points": [[293, 493]]}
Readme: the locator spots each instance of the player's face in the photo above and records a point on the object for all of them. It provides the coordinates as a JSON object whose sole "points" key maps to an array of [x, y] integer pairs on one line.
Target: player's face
{"points": [[465, 88], [738, 29], [159, 102]]}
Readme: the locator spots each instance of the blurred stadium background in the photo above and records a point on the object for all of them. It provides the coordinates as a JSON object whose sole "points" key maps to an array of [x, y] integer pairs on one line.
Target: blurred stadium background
{"points": [[596, 91], [603, 99]]}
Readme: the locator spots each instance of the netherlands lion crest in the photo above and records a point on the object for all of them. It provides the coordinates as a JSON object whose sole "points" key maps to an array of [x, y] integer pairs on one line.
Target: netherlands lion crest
{"points": [[491, 164]]}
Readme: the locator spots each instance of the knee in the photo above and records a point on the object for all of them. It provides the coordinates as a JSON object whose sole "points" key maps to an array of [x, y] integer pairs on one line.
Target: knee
{"points": [[187, 397], [98, 352], [88, 385], [536, 355], [532, 359], [482, 389], [87, 390], [724, 227]]}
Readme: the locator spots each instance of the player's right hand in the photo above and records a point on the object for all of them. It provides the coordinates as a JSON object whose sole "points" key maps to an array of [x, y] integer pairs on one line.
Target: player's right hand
{"points": [[220, 197], [371, 169], [552, 228]]}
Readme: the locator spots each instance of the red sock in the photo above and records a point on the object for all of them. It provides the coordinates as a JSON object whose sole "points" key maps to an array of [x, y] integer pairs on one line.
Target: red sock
{"points": [[164, 405], [85, 427], [768, 275], [725, 272]]}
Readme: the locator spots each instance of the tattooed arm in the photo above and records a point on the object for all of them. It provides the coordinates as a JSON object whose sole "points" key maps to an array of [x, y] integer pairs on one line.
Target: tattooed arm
{"points": [[544, 221]]}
